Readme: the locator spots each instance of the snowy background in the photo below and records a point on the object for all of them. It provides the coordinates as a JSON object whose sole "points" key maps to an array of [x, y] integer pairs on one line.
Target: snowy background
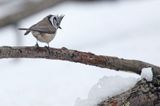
{"points": [[127, 29]]}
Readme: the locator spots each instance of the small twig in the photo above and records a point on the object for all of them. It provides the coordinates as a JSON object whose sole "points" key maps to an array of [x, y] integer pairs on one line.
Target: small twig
{"points": [[29, 8]]}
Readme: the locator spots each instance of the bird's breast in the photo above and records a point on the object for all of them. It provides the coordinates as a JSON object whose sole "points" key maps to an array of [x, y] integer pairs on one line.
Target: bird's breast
{"points": [[43, 37]]}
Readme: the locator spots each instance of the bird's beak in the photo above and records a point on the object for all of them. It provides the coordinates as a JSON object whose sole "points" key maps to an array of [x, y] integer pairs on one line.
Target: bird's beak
{"points": [[59, 27]]}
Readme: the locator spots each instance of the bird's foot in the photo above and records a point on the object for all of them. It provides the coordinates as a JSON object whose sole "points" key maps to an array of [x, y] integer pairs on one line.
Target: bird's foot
{"points": [[47, 47], [37, 45]]}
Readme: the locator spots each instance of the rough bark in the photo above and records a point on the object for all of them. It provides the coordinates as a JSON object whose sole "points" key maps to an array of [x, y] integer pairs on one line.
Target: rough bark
{"points": [[77, 56], [142, 94]]}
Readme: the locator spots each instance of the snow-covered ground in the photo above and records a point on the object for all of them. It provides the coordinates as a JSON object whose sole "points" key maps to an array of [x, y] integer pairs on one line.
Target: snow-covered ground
{"points": [[127, 29]]}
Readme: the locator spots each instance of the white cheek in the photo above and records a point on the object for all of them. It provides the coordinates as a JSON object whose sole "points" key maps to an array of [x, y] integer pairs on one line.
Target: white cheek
{"points": [[51, 19]]}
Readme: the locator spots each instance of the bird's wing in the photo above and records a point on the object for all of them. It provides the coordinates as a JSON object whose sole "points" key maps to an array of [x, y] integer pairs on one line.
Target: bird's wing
{"points": [[43, 26]]}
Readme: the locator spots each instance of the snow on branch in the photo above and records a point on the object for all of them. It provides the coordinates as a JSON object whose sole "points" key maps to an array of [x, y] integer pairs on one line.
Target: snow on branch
{"points": [[144, 93], [77, 56]]}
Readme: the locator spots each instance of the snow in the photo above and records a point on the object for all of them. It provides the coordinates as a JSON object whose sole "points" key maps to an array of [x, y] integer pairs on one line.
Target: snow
{"points": [[127, 29], [147, 74], [110, 86], [105, 88]]}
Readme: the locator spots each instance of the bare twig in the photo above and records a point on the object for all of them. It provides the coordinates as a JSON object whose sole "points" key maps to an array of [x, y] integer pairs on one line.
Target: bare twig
{"points": [[29, 8], [77, 56]]}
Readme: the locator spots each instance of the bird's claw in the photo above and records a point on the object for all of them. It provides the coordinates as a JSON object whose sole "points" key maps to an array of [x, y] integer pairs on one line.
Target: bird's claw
{"points": [[48, 49], [37, 45]]}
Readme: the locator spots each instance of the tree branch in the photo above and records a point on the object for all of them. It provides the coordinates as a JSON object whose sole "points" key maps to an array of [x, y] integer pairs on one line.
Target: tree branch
{"points": [[142, 94], [29, 8], [77, 56]]}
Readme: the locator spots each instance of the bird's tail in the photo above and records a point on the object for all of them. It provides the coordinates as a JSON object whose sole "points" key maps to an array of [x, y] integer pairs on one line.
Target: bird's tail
{"points": [[27, 30], [23, 28]]}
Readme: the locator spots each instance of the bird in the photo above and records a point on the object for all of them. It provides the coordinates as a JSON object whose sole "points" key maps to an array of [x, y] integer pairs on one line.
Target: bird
{"points": [[45, 30]]}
